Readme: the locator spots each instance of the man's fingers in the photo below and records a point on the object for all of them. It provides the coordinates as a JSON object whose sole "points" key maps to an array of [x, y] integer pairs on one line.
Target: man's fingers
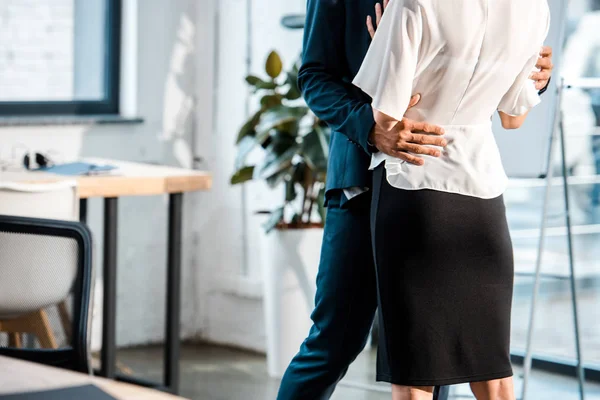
{"points": [[414, 100], [418, 149], [539, 85], [540, 76], [429, 128], [429, 140], [546, 51], [409, 157], [541, 79], [378, 13], [544, 63], [370, 27]]}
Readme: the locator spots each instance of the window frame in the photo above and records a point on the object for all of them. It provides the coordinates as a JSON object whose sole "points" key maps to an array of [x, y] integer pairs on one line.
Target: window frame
{"points": [[112, 62]]}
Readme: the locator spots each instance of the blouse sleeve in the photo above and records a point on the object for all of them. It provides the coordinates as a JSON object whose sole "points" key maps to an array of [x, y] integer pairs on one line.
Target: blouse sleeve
{"points": [[522, 95], [388, 70]]}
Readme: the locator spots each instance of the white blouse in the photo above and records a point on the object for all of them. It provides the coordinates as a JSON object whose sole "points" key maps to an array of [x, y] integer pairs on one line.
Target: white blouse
{"points": [[467, 59]]}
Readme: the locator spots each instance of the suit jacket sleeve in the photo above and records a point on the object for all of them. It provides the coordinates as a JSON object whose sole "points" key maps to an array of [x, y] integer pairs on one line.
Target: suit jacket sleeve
{"points": [[323, 65]]}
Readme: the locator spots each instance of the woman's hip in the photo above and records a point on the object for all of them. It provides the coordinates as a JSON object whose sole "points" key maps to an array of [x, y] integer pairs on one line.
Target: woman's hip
{"points": [[431, 228]]}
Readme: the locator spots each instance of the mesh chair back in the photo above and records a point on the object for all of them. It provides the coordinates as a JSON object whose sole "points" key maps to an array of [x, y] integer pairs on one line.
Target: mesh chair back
{"points": [[45, 288], [37, 271]]}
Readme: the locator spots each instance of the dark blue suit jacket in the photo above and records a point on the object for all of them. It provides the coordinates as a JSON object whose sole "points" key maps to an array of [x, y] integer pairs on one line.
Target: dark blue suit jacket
{"points": [[335, 43]]}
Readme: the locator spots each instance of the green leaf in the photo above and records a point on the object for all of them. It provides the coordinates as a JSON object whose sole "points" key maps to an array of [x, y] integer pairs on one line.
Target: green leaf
{"points": [[277, 141], [242, 175], [321, 205], [274, 180], [280, 142], [278, 117], [324, 138], [275, 218], [299, 171], [275, 165], [259, 84], [270, 101], [254, 80], [296, 219], [248, 129], [297, 64], [273, 66], [290, 128], [293, 92], [245, 146], [267, 86], [290, 190]]}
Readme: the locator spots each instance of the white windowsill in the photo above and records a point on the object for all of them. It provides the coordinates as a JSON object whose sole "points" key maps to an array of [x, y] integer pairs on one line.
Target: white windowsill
{"points": [[44, 120]]}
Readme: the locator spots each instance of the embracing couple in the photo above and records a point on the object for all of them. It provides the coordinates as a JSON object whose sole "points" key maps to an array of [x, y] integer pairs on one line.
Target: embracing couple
{"points": [[416, 223]]}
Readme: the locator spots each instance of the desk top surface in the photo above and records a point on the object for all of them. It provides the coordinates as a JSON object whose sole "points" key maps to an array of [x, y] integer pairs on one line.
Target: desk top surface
{"points": [[131, 179], [22, 376]]}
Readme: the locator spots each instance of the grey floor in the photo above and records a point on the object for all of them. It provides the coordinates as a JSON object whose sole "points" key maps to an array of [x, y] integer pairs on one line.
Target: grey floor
{"points": [[217, 373]]}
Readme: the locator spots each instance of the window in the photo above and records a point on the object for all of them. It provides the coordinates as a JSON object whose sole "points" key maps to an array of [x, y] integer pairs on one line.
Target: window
{"points": [[554, 337], [59, 57]]}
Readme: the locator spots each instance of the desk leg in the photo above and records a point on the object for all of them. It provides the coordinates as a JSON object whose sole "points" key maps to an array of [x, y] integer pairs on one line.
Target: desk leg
{"points": [[173, 309], [108, 354], [83, 203]]}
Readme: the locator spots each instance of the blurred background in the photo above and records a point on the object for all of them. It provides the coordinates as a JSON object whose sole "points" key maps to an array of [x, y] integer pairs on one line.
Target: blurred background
{"points": [[209, 85]]}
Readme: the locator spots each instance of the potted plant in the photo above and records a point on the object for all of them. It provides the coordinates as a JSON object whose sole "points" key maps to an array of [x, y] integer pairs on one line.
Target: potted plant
{"points": [[294, 145]]}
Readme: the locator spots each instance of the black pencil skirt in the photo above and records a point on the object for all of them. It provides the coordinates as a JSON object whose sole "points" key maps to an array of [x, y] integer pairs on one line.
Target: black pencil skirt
{"points": [[445, 281]]}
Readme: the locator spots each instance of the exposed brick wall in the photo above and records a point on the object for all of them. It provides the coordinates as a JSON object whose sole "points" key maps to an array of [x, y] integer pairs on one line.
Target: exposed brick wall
{"points": [[36, 49]]}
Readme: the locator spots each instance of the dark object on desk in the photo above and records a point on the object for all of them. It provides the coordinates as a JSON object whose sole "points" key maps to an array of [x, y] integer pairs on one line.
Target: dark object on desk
{"points": [[78, 168], [40, 248], [39, 161], [87, 392]]}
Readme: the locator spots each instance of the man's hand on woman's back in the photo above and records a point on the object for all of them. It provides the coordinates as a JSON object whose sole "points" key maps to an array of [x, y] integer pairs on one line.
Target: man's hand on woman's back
{"points": [[403, 139], [406, 138], [379, 9]]}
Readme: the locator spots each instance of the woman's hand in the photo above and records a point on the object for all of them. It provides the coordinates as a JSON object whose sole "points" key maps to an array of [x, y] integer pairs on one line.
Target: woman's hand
{"points": [[379, 9]]}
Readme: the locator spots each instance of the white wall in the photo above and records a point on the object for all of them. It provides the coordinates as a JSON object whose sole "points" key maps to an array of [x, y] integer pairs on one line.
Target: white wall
{"points": [[191, 61], [142, 220], [230, 293]]}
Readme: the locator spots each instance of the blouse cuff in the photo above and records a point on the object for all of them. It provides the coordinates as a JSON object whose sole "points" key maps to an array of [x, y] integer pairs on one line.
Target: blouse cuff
{"points": [[525, 101]]}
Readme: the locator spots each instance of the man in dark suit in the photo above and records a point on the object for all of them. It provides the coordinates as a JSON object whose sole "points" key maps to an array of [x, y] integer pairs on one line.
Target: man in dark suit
{"points": [[335, 43]]}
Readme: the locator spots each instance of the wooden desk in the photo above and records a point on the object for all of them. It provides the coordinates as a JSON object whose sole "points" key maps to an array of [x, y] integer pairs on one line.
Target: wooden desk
{"points": [[134, 179], [22, 376], [141, 179], [131, 179]]}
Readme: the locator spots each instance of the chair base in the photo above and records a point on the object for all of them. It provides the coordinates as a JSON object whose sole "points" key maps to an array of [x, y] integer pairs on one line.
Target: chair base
{"points": [[35, 323]]}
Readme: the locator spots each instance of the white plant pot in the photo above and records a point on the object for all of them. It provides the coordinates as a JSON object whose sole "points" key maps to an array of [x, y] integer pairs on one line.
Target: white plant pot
{"points": [[290, 260]]}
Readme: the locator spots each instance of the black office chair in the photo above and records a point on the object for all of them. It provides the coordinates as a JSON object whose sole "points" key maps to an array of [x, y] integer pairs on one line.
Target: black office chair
{"points": [[46, 282]]}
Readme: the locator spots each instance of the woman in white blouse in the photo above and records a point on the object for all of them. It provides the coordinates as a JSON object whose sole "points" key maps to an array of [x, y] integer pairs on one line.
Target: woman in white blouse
{"points": [[445, 284]]}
